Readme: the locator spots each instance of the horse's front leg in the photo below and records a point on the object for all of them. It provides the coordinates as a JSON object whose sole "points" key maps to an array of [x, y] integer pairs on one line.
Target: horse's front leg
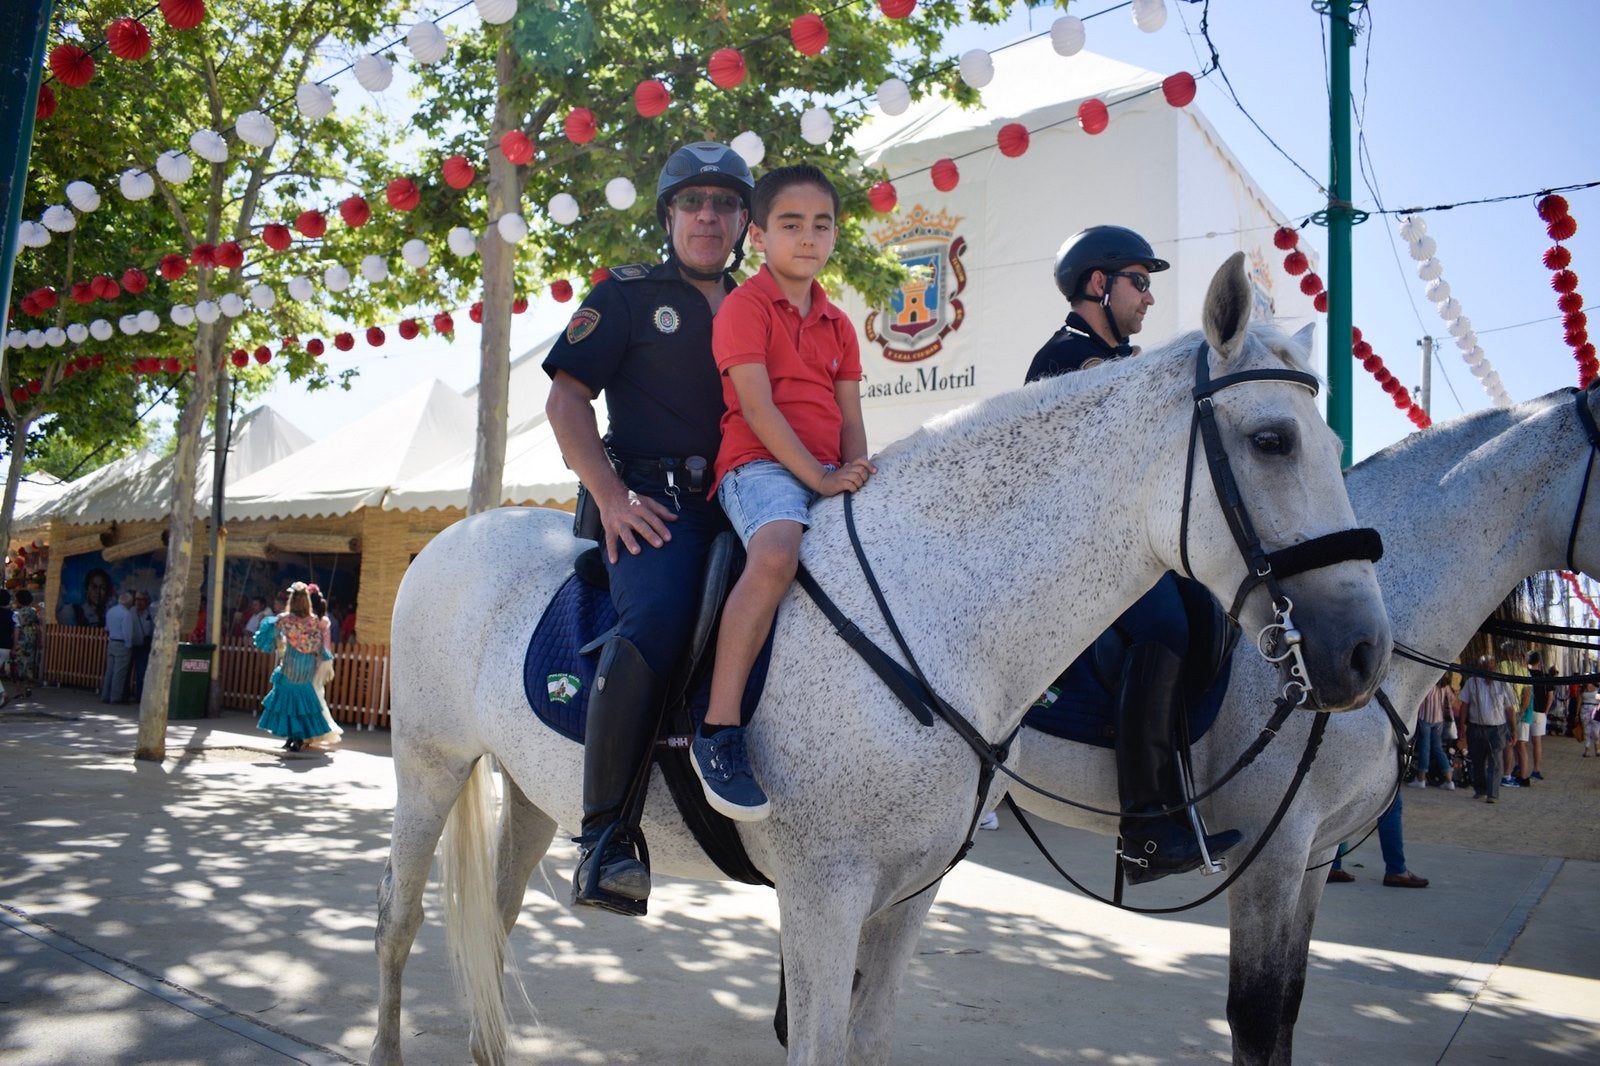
{"points": [[887, 944], [525, 835], [1271, 910], [823, 911]]}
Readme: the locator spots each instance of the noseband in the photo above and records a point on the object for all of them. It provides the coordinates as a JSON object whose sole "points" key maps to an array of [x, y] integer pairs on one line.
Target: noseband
{"points": [[1266, 568], [1586, 420]]}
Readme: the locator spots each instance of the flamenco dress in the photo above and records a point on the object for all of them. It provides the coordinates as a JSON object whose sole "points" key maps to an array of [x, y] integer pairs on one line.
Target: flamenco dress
{"points": [[293, 709]]}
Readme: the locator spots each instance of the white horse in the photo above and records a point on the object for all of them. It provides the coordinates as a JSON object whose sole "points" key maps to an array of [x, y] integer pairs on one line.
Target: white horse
{"points": [[1001, 534], [1466, 510]]}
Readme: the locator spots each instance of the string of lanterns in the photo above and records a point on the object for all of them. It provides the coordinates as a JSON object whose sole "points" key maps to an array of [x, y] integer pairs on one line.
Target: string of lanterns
{"points": [[1561, 226], [1422, 248], [1577, 591]]}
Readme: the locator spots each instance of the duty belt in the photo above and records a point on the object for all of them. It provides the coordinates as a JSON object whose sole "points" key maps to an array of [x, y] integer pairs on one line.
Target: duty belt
{"points": [[688, 474]]}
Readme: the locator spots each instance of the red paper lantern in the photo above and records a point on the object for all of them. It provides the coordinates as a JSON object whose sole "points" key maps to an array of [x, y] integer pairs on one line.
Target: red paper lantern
{"points": [[409, 329], [343, 341], [1552, 207], [1577, 338], [19, 395], [312, 223], [1361, 349], [1586, 352], [183, 14], [128, 39], [46, 104], [443, 323], [726, 68], [1320, 302], [1575, 320], [72, 66], [1563, 228], [561, 289], [597, 275], [263, 355], [882, 197], [314, 347], [82, 292], [1570, 301], [355, 211], [1372, 364], [290, 341], [1557, 258], [375, 336], [203, 255], [1296, 263], [650, 98], [458, 173], [171, 366], [516, 147], [229, 255], [104, 286], [475, 312], [809, 34], [1179, 89], [1355, 334], [1564, 281], [29, 305], [1402, 399], [897, 9], [1310, 284], [945, 175], [1285, 238], [35, 387], [135, 280], [239, 357], [1383, 376], [173, 267], [519, 305], [403, 194], [580, 125], [276, 235], [1012, 138], [45, 298], [1093, 116]]}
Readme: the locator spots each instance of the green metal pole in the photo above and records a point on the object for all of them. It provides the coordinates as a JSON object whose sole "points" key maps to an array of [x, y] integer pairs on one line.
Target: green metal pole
{"points": [[24, 27], [1339, 218]]}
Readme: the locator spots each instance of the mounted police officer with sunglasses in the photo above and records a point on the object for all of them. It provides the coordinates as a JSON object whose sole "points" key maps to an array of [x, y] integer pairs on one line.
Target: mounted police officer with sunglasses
{"points": [[1104, 271], [643, 338]]}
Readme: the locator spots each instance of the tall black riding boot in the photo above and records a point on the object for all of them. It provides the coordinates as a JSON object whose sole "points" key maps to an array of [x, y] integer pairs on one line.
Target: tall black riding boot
{"points": [[1147, 770], [619, 736]]}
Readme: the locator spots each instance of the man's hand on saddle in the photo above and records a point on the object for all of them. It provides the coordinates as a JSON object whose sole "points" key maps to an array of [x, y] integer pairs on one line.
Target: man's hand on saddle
{"points": [[848, 478], [630, 518]]}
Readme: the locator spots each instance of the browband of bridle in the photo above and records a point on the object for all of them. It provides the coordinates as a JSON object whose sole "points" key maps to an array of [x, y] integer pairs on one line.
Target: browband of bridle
{"points": [[1586, 420]]}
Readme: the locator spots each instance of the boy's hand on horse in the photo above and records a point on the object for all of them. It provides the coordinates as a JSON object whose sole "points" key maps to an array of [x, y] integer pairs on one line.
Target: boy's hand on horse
{"points": [[848, 478], [628, 518]]}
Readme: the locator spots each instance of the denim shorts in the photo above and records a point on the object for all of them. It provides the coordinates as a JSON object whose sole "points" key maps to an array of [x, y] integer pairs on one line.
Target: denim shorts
{"points": [[763, 491]]}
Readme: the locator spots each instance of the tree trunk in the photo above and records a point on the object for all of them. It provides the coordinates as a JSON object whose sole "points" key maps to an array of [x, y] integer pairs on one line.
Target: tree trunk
{"points": [[499, 263], [19, 438]]}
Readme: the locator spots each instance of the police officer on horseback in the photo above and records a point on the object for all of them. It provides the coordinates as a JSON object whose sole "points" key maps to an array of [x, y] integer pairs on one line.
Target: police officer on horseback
{"points": [[643, 338], [1104, 271]]}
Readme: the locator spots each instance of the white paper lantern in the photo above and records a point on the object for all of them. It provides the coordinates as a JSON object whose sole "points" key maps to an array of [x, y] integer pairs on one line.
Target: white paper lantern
{"points": [[1461, 327], [977, 67], [1430, 269], [375, 268], [77, 333], [36, 338], [314, 101], [1438, 290], [174, 167], [816, 125], [563, 209], [181, 315], [427, 42], [1450, 310], [300, 288], [1481, 370], [1468, 340], [374, 72], [32, 235], [232, 304], [136, 185], [512, 227], [1412, 228], [1473, 357], [100, 329], [461, 241], [16, 339], [1067, 35], [894, 96], [255, 129], [209, 145], [263, 297], [620, 193], [336, 278], [1423, 248], [128, 324], [416, 254], [55, 336], [59, 218], [496, 12], [83, 196], [207, 312], [1149, 15], [749, 147], [149, 321]]}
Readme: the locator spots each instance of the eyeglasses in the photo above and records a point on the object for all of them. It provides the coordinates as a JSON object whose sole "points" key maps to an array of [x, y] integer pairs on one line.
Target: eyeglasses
{"points": [[1140, 282], [723, 203]]}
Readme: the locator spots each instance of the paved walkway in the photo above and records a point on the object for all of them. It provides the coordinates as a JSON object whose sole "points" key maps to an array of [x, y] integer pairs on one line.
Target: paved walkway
{"points": [[218, 908]]}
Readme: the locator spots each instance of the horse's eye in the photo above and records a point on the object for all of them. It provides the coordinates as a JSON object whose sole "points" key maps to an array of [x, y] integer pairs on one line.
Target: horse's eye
{"points": [[1270, 442]]}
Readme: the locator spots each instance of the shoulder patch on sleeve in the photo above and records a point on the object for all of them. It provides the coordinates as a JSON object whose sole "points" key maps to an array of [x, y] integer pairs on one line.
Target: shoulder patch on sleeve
{"points": [[582, 324], [629, 272]]}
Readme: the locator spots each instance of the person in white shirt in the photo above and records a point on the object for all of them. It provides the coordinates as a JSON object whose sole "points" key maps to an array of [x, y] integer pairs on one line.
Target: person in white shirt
{"points": [[119, 650], [1489, 706], [255, 620]]}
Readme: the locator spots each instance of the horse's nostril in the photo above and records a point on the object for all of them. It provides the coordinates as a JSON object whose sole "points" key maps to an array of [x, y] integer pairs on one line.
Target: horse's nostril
{"points": [[1364, 660]]}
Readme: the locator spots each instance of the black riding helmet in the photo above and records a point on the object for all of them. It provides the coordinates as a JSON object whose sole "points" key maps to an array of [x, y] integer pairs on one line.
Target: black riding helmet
{"points": [[704, 163], [1104, 248]]}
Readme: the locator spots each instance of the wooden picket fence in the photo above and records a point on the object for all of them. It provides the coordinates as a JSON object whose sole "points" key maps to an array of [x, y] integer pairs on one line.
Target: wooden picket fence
{"points": [[357, 695]]}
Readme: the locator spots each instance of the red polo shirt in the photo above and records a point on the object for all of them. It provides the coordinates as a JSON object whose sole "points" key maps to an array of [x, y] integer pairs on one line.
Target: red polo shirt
{"points": [[804, 357]]}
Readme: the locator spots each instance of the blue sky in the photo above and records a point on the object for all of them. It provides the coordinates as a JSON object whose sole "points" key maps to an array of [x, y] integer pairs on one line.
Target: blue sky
{"points": [[1463, 100]]}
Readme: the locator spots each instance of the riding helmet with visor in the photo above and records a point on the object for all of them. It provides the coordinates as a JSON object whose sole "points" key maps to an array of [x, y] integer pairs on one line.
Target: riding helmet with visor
{"points": [[1104, 248], [705, 163]]}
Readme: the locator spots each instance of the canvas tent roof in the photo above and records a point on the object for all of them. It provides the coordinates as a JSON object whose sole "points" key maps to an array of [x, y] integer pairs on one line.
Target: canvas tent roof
{"points": [[35, 493], [356, 464], [535, 473]]}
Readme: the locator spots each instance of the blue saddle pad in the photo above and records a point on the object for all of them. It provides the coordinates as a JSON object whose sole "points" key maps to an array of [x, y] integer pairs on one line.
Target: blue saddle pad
{"points": [[555, 677], [1078, 707]]}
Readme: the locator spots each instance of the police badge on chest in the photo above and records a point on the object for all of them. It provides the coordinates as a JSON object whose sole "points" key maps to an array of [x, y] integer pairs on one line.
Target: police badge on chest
{"points": [[666, 319]]}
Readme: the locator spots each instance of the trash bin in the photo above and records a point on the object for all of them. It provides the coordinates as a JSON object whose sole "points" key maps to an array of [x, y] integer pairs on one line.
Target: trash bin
{"points": [[191, 681]]}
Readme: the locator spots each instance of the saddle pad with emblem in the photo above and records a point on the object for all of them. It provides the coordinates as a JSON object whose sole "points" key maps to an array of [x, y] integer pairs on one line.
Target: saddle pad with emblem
{"points": [[555, 677], [1079, 707]]}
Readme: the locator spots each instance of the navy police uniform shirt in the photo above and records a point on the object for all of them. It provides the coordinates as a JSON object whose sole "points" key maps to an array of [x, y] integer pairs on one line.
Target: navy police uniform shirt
{"points": [[643, 338], [1075, 346]]}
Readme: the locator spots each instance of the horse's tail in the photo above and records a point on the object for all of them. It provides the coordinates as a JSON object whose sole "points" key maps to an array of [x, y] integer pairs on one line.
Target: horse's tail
{"points": [[467, 862]]}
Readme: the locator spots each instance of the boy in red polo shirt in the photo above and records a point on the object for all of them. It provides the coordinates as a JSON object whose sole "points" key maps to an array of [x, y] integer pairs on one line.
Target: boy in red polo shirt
{"points": [[792, 432]]}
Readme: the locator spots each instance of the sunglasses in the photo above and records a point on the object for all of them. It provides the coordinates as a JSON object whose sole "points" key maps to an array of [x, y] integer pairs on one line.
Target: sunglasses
{"points": [[723, 203], [1140, 282]]}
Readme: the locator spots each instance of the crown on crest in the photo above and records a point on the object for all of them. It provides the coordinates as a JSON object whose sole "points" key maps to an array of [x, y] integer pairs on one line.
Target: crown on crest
{"points": [[919, 223]]}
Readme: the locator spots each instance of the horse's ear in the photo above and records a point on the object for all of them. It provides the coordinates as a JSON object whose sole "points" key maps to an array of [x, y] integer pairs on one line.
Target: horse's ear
{"points": [[1228, 304], [1304, 335]]}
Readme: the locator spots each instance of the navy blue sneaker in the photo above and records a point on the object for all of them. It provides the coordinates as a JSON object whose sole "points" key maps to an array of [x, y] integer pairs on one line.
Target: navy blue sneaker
{"points": [[724, 771]]}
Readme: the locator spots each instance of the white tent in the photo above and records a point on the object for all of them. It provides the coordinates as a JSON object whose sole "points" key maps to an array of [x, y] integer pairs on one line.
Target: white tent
{"points": [[356, 464], [535, 474], [140, 486], [986, 300], [35, 492]]}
